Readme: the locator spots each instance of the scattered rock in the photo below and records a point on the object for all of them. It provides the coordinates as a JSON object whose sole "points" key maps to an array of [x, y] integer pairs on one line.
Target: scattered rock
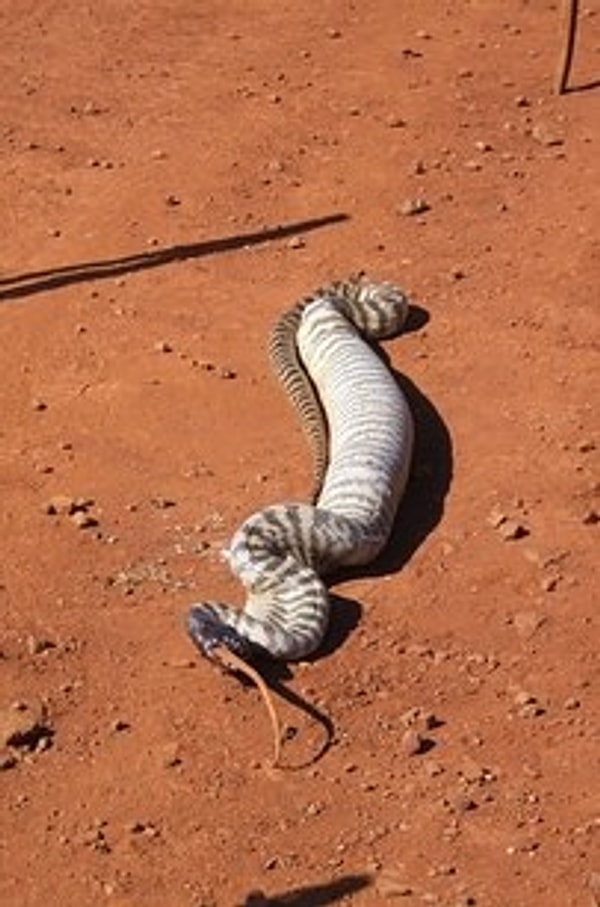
{"points": [[83, 520], [412, 743], [420, 719], [390, 884], [549, 583], [296, 242], [496, 517], [77, 509], [23, 726], [413, 206], [119, 725], [511, 530], [590, 518], [526, 623], [545, 135], [8, 759], [460, 803], [162, 503], [586, 446], [37, 644], [38, 405], [528, 705], [59, 504], [395, 122], [171, 755], [172, 200], [433, 768], [163, 346]]}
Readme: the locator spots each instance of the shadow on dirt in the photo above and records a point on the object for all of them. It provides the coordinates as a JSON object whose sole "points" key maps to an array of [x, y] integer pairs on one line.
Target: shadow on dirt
{"points": [[313, 896], [22, 285]]}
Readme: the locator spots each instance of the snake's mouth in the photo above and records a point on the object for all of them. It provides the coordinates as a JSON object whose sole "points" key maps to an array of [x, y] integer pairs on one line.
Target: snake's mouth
{"points": [[209, 633]]}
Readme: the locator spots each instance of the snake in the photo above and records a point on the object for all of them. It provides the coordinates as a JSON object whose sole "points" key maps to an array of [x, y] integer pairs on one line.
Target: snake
{"points": [[359, 425]]}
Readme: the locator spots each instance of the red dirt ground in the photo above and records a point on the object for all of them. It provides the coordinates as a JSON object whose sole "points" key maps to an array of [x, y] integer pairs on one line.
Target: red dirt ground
{"points": [[146, 148]]}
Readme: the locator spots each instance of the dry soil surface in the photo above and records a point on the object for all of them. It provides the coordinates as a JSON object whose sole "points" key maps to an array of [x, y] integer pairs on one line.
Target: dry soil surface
{"points": [[174, 175]]}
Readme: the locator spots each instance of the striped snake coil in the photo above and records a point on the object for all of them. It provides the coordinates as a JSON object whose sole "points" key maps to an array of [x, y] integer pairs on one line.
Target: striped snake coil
{"points": [[360, 429]]}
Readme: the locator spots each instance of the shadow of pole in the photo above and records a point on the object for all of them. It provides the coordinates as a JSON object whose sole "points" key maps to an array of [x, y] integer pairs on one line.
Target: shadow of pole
{"points": [[313, 896], [23, 285]]}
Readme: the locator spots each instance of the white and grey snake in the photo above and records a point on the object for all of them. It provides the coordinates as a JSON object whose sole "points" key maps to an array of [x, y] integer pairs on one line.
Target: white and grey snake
{"points": [[361, 431]]}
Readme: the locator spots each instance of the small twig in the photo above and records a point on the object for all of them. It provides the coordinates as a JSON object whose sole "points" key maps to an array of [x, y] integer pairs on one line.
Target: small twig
{"points": [[570, 14], [234, 663]]}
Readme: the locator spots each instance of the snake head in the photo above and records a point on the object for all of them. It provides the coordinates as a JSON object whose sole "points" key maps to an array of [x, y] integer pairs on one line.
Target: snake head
{"points": [[208, 633]]}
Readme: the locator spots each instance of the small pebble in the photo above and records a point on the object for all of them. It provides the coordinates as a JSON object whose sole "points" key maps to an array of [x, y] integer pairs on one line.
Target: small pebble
{"points": [[83, 520], [586, 446], [546, 136], [524, 698], [119, 725], [390, 884], [36, 645], [59, 504], [161, 503], [511, 530], [461, 803], [590, 518], [395, 122], [496, 517], [413, 206], [8, 759], [23, 725], [526, 623], [549, 583], [412, 743]]}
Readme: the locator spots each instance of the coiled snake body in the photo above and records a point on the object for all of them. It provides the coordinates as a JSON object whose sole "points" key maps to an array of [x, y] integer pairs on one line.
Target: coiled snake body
{"points": [[362, 456]]}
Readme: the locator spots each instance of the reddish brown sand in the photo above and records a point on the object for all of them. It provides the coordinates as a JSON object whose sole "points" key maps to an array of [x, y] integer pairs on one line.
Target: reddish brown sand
{"points": [[148, 152]]}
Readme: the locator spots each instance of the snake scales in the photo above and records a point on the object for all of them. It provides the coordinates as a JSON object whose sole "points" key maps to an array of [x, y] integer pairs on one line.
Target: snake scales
{"points": [[360, 428]]}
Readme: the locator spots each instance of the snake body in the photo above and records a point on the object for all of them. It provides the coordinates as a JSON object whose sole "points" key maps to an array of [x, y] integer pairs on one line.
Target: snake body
{"points": [[283, 554]]}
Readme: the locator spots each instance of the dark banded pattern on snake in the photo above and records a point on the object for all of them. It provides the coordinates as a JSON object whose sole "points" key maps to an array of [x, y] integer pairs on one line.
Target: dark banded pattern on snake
{"points": [[366, 317], [282, 553]]}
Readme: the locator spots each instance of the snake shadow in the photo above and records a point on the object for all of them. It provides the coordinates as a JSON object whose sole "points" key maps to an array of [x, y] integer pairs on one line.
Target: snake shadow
{"points": [[312, 896]]}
